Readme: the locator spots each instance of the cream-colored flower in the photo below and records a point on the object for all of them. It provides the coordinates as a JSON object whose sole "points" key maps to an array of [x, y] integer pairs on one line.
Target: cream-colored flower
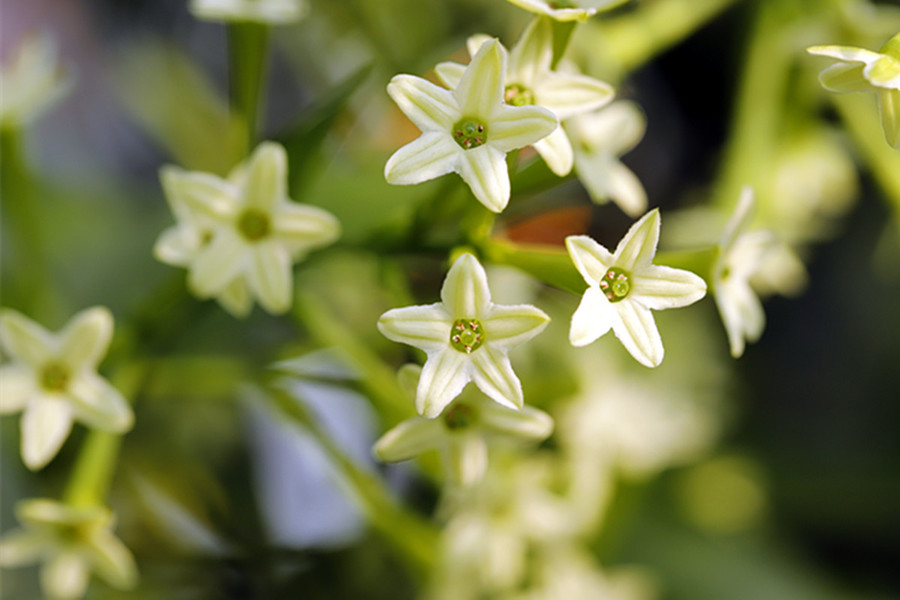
{"points": [[624, 287], [567, 10], [270, 12], [71, 542], [861, 70], [239, 236], [529, 81], [468, 130], [466, 338], [53, 380], [32, 81]]}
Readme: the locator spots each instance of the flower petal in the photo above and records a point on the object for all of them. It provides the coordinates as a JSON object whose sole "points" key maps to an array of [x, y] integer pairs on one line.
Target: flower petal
{"points": [[556, 151], [266, 181], [480, 91], [269, 276], [21, 547], [740, 220], [570, 94], [236, 299], [305, 226], [45, 425], [485, 172], [660, 287], [884, 72], [844, 77], [450, 73], [192, 192], [636, 329], [626, 189], [558, 14], [742, 314], [178, 245], [846, 53], [65, 576], [429, 156], [465, 292], [445, 374], [17, 385], [467, 460], [410, 439], [592, 319], [219, 263], [474, 44], [527, 423], [638, 246], [429, 107], [26, 340], [889, 106], [508, 326], [493, 374], [519, 126], [85, 339], [112, 560], [98, 404], [424, 327], [591, 259], [529, 60]]}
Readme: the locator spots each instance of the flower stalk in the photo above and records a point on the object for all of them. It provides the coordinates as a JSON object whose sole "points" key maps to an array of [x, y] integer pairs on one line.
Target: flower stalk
{"points": [[248, 50]]}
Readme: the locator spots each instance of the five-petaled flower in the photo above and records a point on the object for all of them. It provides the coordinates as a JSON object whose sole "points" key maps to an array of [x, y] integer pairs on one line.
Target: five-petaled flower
{"points": [[567, 10], [468, 130], [70, 541], [625, 286], [270, 12], [466, 338], [529, 80], [53, 379], [239, 236], [862, 70], [462, 432]]}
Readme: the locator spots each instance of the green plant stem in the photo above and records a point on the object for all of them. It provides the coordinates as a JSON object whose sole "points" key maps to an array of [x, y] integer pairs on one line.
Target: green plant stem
{"points": [[550, 264], [411, 535], [699, 261], [95, 466], [248, 49]]}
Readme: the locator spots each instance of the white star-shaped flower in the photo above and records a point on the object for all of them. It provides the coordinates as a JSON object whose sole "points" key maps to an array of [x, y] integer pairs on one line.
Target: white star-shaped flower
{"points": [[239, 236], [270, 12], [53, 379], [862, 70], [746, 257], [624, 287], [468, 130], [466, 338], [599, 139], [567, 10], [462, 432], [71, 542], [32, 81], [529, 80]]}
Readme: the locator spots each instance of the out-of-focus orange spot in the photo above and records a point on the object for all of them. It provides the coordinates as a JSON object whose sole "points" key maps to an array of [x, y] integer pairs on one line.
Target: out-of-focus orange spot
{"points": [[551, 227]]}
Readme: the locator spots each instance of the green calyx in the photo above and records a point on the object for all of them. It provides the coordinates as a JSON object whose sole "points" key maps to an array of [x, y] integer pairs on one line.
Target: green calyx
{"points": [[466, 335], [54, 377], [254, 225], [518, 95], [892, 48], [469, 133], [616, 284], [460, 416]]}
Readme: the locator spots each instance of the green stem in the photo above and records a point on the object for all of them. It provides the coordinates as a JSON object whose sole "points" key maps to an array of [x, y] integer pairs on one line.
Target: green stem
{"points": [[550, 264], [411, 535], [248, 47], [699, 261]]}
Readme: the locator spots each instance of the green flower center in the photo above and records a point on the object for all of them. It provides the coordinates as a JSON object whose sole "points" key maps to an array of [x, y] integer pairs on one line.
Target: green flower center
{"points": [[54, 377], [469, 133], [616, 284], [466, 335], [254, 225], [460, 416], [518, 95]]}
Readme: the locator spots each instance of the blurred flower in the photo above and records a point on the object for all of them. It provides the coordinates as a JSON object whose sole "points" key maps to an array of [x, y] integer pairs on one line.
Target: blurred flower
{"points": [[70, 541], [466, 338], [862, 70], [531, 82], [468, 130], [599, 139], [239, 236], [461, 432], [270, 12], [757, 257], [32, 81], [624, 287], [567, 10], [53, 379]]}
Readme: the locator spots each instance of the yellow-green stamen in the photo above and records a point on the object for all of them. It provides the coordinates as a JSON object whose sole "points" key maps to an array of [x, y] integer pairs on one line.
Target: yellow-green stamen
{"points": [[616, 284], [254, 225], [54, 377], [469, 133], [466, 335]]}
